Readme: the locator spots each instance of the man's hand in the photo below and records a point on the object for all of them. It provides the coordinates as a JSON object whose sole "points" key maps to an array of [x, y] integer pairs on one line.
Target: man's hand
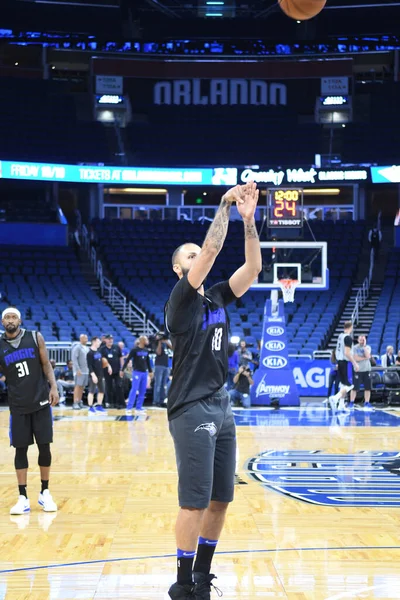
{"points": [[94, 378], [235, 194], [151, 375], [356, 367], [109, 369], [79, 373], [53, 396], [249, 198], [121, 374]]}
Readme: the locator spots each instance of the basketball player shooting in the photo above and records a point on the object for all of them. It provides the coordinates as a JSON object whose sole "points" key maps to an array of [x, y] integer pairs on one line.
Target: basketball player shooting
{"points": [[344, 356], [199, 412], [25, 363]]}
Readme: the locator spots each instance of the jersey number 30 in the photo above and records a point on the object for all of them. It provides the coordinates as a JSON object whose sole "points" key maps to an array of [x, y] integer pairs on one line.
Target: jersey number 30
{"points": [[217, 339], [22, 369]]}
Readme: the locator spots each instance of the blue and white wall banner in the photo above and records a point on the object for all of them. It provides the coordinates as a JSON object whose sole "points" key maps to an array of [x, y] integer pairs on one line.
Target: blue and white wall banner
{"points": [[116, 175], [311, 378], [274, 379]]}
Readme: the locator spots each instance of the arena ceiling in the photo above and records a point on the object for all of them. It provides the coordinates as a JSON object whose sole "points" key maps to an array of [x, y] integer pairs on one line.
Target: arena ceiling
{"points": [[187, 19]]}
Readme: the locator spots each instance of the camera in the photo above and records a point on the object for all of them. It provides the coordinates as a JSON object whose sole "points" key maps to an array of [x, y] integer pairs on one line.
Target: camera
{"points": [[160, 336]]}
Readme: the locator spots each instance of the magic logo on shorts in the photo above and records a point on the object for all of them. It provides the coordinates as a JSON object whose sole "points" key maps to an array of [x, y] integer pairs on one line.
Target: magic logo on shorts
{"points": [[210, 427], [367, 478]]}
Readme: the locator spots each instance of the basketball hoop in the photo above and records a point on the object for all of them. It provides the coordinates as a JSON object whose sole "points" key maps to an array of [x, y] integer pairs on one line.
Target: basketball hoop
{"points": [[288, 288]]}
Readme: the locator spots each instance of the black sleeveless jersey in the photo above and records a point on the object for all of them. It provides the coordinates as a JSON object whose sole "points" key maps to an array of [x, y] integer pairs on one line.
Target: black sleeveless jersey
{"points": [[28, 389]]}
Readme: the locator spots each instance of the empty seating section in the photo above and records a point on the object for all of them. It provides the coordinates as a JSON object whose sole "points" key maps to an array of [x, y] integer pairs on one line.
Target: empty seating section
{"points": [[379, 132], [48, 287], [385, 330], [38, 121], [25, 206], [205, 136], [138, 256]]}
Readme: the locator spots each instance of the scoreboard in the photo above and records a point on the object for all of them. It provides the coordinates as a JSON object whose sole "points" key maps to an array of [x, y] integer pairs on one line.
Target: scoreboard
{"points": [[285, 208]]}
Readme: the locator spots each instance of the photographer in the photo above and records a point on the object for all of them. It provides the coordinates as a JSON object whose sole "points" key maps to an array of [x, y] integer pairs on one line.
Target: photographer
{"points": [[240, 395], [161, 369]]}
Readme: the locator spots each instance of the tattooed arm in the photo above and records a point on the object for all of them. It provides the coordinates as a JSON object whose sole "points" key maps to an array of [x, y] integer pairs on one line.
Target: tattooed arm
{"points": [[243, 278], [214, 239]]}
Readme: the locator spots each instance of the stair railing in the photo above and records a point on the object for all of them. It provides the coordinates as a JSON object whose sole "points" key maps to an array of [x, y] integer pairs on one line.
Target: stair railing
{"points": [[363, 292]]}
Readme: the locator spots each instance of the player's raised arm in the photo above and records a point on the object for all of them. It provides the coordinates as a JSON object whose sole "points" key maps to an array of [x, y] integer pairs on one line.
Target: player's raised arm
{"points": [[214, 239], [242, 279]]}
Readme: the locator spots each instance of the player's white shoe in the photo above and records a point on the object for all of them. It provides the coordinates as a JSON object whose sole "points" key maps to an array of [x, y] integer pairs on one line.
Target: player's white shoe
{"points": [[332, 403], [342, 406], [46, 502], [23, 506]]}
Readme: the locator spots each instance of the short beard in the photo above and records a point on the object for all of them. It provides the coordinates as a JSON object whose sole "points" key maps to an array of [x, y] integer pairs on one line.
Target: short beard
{"points": [[10, 328], [186, 271]]}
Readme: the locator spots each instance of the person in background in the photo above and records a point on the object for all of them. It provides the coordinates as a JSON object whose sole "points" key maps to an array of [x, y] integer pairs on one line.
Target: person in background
{"points": [[77, 244], [64, 378], [333, 375], [344, 356], [112, 353], [375, 239], [388, 359], [233, 365], [240, 395], [256, 357], [141, 370], [245, 356], [81, 370], [161, 369], [362, 355], [124, 350], [96, 362], [398, 359]]}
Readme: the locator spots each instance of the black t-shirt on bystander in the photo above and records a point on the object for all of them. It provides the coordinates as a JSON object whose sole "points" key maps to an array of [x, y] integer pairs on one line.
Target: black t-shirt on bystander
{"points": [[162, 359], [113, 355], [94, 360], [199, 334]]}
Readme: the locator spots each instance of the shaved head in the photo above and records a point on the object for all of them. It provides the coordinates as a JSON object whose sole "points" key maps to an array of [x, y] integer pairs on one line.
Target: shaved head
{"points": [[176, 253]]}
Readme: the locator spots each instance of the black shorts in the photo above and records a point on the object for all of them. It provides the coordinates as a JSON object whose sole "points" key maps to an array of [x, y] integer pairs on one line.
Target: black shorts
{"points": [[24, 427], [343, 371], [363, 378], [100, 385], [205, 449]]}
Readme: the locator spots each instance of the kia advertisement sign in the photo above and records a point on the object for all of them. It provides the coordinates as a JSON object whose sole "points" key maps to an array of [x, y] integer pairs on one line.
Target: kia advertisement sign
{"points": [[274, 379]]}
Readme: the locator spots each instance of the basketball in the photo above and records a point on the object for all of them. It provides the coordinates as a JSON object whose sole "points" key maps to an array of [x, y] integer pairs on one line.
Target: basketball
{"points": [[301, 10]]}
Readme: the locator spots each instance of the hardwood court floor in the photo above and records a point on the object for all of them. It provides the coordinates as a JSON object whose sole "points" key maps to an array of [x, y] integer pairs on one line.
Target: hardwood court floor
{"points": [[115, 484]]}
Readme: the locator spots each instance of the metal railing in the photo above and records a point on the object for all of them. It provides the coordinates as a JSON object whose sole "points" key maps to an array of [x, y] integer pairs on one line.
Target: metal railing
{"points": [[206, 212], [363, 292], [128, 310]]}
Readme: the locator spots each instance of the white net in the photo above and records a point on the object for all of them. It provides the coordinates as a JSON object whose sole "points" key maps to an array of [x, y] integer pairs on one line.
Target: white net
{"points": [[288, 288]]}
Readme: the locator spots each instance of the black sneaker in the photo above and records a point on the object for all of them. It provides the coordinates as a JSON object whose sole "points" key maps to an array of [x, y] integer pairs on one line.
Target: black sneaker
{"points": [[181, 592], [203, 586]]}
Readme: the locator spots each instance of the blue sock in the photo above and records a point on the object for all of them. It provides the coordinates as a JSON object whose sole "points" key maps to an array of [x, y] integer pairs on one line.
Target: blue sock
{"points": [[185, 566], [205, 553]]}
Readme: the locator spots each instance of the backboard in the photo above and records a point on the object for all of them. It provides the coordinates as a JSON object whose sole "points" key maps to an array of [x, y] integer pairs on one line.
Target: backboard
{"points": [[305, 261]]}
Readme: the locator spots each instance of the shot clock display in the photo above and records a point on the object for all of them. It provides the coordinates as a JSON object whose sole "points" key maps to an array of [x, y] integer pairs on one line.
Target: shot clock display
{"points": [[285, 207]]}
